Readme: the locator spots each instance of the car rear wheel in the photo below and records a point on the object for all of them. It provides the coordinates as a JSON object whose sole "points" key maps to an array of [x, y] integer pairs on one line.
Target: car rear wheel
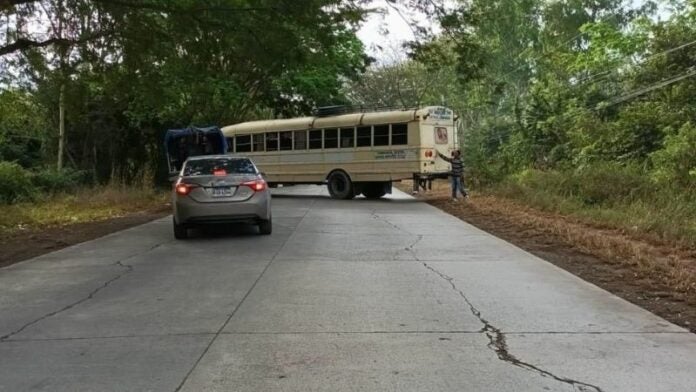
{"points": [[266, 227], [180, 231], [340, 186]]}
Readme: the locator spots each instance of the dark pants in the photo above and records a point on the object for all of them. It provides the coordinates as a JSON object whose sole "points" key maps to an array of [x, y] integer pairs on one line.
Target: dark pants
{"points": [[457, 185]]}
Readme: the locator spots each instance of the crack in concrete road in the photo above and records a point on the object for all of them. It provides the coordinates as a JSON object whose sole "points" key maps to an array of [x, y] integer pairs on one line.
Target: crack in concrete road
{"points": [[498, 344], [128, 269], [496, 338], [408, 248], [411, 247], [380, 218]]}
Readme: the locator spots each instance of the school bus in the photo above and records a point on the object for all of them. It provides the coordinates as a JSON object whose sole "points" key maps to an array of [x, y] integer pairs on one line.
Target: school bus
{"points": [[352, 153]]}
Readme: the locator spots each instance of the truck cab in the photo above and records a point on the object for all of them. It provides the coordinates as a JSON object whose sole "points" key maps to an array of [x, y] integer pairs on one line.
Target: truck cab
{"points": [[180, 144]]}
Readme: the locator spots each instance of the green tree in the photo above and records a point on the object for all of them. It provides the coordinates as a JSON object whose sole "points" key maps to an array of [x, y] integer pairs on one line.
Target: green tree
{"points": [[125, 71]]}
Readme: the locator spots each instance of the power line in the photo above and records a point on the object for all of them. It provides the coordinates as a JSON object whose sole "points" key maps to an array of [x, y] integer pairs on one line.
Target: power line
{"points": [[675, 49], [644, 90], [636, 93], [601, 75]]}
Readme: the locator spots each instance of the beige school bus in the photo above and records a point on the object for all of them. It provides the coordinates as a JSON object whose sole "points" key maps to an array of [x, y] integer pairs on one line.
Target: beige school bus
{"points": [[354, 153]]}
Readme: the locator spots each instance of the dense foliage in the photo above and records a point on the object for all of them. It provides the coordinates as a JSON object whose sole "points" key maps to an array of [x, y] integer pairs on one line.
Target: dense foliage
{"points": [[558, 85], [566, 84], [129, 70]]}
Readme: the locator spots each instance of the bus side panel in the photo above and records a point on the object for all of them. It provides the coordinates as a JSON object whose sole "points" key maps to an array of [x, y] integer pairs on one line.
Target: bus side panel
{"points": [[362, 165], [291, 166]]}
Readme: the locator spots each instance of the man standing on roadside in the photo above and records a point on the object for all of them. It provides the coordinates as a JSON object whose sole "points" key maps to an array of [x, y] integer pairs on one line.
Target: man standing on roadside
{"points": [[457, 172]]}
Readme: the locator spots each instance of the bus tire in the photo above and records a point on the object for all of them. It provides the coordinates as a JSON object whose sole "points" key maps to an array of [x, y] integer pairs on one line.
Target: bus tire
{"points": [[340, 186], [374, 190]]}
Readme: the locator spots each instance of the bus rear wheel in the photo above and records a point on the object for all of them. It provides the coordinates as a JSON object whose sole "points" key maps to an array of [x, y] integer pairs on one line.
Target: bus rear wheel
{"points": [[374, 190], [340, 186]]}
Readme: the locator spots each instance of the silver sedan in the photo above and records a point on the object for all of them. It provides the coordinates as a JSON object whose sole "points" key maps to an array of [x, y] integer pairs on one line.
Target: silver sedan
{"points": [[220, 189]]}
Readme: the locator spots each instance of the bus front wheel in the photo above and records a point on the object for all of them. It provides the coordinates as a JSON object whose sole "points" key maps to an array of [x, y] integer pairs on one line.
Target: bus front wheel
{"points": [[340, 186]]}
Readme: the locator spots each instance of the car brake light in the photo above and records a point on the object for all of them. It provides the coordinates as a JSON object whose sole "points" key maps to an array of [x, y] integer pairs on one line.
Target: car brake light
{"points": [[219, 172], [256, 185], [184, 189]]}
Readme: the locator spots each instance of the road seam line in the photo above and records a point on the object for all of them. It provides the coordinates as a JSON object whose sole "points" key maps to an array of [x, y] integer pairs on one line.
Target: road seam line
{"points": [[239, 305], [476, 332]]}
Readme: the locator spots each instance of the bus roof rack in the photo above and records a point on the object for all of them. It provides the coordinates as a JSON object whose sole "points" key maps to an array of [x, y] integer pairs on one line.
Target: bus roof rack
{"points": [[337, 110]]}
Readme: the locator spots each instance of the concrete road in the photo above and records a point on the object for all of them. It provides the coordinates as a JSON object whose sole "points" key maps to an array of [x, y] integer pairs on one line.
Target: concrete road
{"points": [[390, 295]]}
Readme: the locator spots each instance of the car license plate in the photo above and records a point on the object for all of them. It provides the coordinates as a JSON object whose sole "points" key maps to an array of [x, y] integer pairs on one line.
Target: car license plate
{"points": [[222, 191]]}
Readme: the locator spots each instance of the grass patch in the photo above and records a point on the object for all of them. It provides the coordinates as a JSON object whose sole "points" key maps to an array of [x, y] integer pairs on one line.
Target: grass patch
{"points": [[625, 202], [86, 205]]}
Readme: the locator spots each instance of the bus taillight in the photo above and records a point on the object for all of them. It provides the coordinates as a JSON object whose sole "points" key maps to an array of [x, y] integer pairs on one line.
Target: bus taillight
{"points": [[428, 153]]}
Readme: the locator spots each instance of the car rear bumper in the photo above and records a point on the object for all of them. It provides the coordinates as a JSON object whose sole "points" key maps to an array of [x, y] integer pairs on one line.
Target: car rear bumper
{"points": [[189, 211]]}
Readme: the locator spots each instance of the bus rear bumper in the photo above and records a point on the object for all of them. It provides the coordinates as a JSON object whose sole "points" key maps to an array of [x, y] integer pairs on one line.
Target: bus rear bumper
{"points": [[430, 176], [425, 180]]}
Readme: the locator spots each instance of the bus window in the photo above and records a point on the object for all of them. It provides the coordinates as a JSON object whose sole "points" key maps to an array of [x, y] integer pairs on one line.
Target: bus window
{"points": [[286, 141], [315, 139], [364, 138], [331, 138], [347, 137], [243, 143], [272, 141], [381, 135], [230, 144], [259, 142], [441, 135], [300, 140], [399, 134]]}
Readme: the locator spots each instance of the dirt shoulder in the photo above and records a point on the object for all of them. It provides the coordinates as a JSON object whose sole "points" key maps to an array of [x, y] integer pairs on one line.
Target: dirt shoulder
{"points": [[23, 245], [650, 274]]}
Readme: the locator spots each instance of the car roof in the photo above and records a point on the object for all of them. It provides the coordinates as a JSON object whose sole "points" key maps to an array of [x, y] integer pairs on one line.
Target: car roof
{"points": [[220, 156]]}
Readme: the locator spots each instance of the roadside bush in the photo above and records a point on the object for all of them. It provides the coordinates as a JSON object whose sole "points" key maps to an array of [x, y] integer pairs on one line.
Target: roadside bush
{"points": [[552, 181], [603, 183], [610, 182], [15, 183], [54, 181], [675, 163]]}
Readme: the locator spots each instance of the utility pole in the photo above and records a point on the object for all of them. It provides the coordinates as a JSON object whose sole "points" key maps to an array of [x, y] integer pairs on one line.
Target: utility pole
{"points": [[61, 125], [61, 96]]}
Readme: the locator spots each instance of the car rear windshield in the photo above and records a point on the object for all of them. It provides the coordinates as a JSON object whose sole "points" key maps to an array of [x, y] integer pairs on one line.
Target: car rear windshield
{"points": [[207, 167]]}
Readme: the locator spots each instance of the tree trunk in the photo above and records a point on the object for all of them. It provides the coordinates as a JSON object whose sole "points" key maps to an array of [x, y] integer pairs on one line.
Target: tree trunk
{"points": [[61, 125], [61, 95], [95, 174]]}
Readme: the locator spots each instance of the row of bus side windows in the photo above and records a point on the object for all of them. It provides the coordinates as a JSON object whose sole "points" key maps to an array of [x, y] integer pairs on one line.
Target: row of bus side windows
{"points": [[329, 138]]}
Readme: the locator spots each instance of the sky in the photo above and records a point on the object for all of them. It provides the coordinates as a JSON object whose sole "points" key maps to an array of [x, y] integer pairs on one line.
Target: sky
{"points": [[388, 30]]}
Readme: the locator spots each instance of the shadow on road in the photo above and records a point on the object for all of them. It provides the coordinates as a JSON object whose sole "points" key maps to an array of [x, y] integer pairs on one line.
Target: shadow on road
{"points": [[358, 199], [296, 196], [217, 231]]}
